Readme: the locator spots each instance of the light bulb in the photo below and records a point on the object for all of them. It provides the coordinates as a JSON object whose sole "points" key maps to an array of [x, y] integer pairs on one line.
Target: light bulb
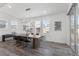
{"points": [[45, 12], [9, 6]]}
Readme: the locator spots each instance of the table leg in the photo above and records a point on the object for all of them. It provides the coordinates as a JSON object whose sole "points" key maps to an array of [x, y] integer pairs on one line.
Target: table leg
{"points": [[34, 43], [3, 38]]}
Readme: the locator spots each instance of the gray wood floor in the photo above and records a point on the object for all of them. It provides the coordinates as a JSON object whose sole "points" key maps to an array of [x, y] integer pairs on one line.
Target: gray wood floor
{"points": [[9, 48]]}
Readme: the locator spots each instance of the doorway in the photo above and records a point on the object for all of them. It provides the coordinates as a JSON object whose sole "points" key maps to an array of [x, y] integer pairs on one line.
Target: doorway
{"points": [[73, 29]]}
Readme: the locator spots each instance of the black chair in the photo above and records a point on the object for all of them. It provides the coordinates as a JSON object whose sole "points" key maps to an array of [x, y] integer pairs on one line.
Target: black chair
{"points": [[25, 42], [6, 36], [22, 40]]}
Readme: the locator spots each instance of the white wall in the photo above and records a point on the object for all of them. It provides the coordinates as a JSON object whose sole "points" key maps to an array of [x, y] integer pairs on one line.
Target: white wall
{"points": [[59, 36]]}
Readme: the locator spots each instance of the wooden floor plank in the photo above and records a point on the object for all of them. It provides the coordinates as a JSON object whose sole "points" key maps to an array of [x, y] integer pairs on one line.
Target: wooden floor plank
{"points": [[8, 48]]}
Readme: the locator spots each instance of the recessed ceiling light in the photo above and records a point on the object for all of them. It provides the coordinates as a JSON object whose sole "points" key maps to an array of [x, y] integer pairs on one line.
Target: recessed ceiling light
{"points": [[9, 6], [45, 12]]}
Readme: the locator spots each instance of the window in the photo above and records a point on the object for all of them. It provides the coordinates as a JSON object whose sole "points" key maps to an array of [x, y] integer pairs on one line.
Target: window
{"points": [[13, 24], [45, 24], [38, 26]]}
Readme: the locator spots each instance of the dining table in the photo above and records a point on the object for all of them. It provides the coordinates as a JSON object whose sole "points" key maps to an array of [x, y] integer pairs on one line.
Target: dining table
{"points": [[35, 39]]}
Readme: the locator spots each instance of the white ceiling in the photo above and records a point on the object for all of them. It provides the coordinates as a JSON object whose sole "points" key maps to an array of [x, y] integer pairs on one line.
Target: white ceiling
{"points": [[37, 9]]}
